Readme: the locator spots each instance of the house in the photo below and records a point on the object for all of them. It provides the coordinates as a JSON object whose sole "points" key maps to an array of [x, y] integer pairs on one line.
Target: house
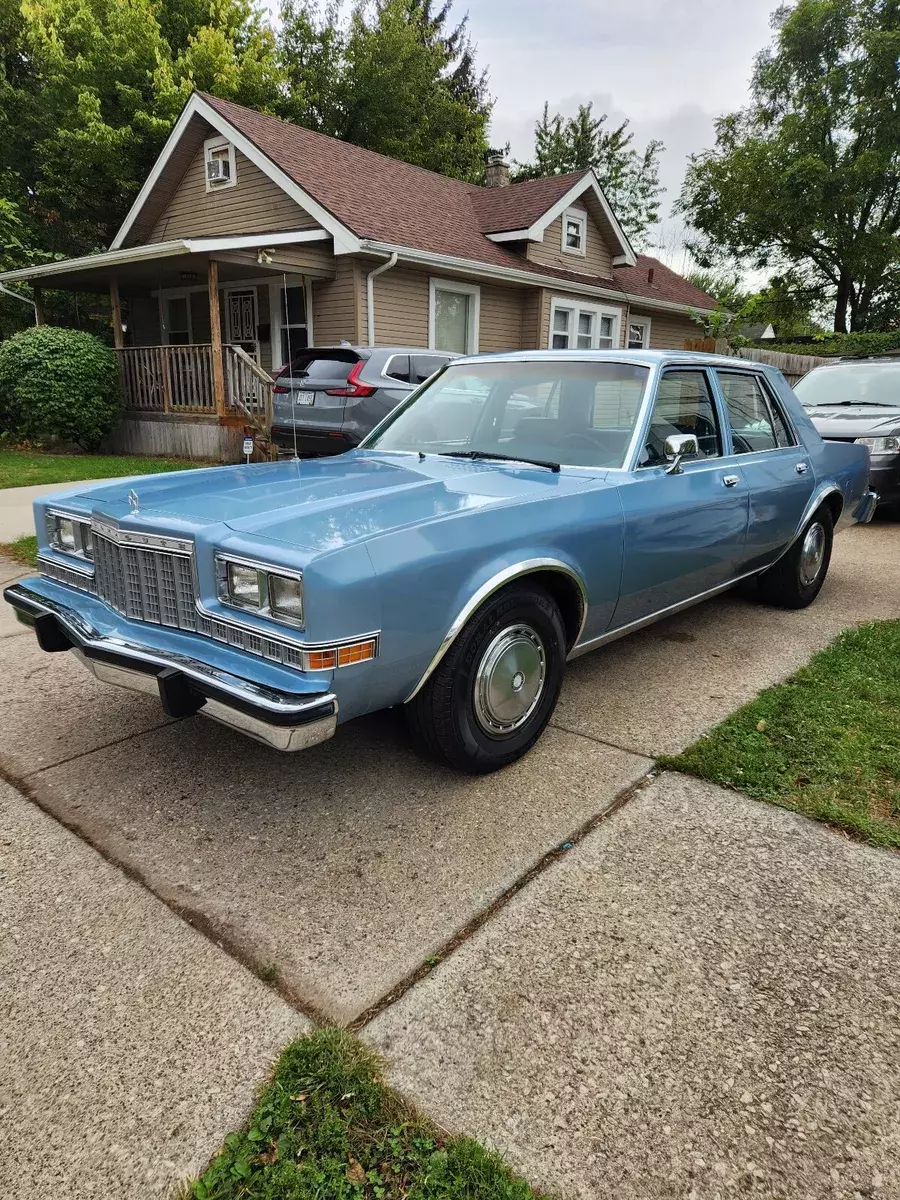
{"points": [[252, 238]]}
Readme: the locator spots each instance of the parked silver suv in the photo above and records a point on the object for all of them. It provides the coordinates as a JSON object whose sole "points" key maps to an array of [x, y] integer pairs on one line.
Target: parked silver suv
{"points": [[330, 397]]}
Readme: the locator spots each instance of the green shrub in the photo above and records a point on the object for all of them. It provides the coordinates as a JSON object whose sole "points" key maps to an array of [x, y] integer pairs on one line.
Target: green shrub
{"points": [[842, 343], [59, 383]]}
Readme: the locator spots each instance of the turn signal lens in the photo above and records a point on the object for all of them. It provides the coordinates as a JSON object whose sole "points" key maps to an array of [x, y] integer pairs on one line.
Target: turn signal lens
{"points": [[321, 660], [359, 652]]}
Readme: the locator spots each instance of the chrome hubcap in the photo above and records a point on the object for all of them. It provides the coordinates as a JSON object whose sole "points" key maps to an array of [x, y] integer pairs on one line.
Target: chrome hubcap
{"points": [[812, 554], [510, 680]]}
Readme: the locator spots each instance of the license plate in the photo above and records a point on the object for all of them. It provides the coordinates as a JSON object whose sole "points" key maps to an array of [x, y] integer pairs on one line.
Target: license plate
{"points": [[304, 397]]}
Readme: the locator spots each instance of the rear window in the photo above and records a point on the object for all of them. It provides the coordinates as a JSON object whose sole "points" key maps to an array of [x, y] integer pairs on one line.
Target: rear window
{"points": [[422, 366], [335, 364]]}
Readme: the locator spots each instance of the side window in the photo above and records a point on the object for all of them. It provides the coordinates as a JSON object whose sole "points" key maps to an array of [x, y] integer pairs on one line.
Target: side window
{"points": [[683, 404], [749, 413], [398, 368], [784, 435], [422, 366]]}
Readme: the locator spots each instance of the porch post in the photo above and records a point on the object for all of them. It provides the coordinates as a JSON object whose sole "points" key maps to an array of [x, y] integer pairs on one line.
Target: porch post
{"points": [[215, 337], [39, 318], [115, 316]]}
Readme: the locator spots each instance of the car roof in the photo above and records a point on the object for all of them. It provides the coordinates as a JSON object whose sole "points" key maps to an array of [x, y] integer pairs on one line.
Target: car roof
{"points": [[369, 350], [647, 358]]}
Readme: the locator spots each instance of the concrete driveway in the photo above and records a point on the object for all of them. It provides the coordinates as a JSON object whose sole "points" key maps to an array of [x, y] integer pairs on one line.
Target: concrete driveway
{"points": [[348, 867], [16, 513]]}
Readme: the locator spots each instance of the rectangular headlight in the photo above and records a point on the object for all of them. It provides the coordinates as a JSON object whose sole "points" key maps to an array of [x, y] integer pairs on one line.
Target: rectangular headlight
{"points": [[244, 586], [70, 535], [286, 598], [880, 445]]}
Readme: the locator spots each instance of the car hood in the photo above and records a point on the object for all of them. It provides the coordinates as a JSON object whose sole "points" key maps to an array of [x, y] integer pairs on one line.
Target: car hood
{"points": [[855, 421], [326, 503]]}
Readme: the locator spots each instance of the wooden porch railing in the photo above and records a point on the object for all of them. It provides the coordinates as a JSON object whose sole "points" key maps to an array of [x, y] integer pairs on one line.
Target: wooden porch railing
{"points": [[179, 379]]}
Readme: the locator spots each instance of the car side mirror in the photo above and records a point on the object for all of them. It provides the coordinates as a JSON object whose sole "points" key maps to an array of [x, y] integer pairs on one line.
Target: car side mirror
{"points": [[678, 447]]}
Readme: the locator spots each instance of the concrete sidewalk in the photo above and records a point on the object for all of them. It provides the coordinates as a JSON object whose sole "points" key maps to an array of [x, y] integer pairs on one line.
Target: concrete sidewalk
{"points": [[701, 999], [130, 1045], [16, 514]]}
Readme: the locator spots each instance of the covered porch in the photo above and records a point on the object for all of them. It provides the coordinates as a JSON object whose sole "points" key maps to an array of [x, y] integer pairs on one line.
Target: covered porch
{"points": [[200, 328]]}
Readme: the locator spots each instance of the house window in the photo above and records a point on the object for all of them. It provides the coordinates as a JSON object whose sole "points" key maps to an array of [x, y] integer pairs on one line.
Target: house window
{"points": [[292, 310], [453, 311], [574, 231], [583, 327], [219, 165], [177, 320], [639, 334]]}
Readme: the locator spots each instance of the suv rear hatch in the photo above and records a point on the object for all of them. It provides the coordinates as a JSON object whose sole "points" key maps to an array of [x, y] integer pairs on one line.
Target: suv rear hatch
{"points": [[311, 395]]}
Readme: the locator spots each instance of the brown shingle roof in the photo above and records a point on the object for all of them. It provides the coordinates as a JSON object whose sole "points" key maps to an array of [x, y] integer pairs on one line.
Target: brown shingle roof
{"points": [[386, 200]]}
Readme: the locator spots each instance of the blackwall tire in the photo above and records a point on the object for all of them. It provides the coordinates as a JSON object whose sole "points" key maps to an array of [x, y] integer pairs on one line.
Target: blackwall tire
{"points": [[797, 578]]}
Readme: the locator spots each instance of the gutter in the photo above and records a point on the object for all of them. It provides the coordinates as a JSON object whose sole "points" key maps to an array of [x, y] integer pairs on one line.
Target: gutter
{"points": [[15, 295], [451, 263], [370, 294]]}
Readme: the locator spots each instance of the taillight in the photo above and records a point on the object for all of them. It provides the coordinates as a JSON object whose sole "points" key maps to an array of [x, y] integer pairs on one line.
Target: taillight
{"points": [[279, 389], [354, 387]]}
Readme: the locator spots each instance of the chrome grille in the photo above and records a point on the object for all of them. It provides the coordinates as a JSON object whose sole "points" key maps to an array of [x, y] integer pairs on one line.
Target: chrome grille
{"points": [[146, 585], [51, 569]]}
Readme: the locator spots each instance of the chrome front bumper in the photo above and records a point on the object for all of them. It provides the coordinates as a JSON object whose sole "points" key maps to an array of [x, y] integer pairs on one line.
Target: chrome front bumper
{"points": [[184, 685]]}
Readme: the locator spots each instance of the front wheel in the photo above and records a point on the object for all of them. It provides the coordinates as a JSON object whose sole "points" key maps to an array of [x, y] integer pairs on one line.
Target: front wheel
{"points": [[493, 692], [797, 578]]}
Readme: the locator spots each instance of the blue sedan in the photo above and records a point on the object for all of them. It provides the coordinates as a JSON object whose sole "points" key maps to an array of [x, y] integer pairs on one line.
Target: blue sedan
{"points": [[515, 512]]}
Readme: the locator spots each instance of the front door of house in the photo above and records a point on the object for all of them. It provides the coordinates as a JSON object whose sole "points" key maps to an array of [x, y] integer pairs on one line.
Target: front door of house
{"points": [[241, 319]]}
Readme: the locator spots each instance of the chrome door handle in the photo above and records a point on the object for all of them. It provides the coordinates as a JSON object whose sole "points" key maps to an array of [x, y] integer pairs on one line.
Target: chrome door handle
{"points": [[731, 480], [801, 468]]}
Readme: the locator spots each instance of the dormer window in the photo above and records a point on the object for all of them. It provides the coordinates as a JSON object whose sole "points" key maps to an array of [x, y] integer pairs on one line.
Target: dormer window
{"points": [[219, 164], [574, 231]]}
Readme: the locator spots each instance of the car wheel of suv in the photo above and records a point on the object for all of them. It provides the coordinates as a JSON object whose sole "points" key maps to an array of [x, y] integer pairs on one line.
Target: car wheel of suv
{"points": [[797, 578], [492, 694]]}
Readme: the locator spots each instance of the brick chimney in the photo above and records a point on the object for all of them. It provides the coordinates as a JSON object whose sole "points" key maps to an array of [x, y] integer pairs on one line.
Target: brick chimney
{"points": [[496, 172]]}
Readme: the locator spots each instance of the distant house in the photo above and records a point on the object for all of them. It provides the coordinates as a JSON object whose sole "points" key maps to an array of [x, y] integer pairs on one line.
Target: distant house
{"points": [[252, 238]]}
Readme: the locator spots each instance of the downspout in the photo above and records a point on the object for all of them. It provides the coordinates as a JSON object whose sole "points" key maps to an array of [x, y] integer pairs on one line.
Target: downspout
{"points": [[370, 295], [15, 295]]}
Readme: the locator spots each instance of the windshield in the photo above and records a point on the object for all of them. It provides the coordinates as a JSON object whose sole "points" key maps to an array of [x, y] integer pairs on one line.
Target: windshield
{"points": [[851, 383], [574, 413]]}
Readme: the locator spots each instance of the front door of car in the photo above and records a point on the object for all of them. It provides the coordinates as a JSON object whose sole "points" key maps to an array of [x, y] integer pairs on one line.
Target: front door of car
{"points": [[772, 459], [684, 533]]}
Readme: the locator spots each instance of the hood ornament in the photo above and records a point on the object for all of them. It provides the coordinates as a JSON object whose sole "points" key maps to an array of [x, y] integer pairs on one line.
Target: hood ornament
{"points": [[133, 500]]}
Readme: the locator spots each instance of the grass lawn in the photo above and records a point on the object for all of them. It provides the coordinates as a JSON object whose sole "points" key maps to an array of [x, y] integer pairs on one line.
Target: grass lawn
{"points": [[328, 1128], [825, 743], [24, 468], [23, 550]]}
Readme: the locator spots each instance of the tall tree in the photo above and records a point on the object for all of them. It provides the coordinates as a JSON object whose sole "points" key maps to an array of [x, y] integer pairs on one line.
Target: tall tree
{"points": [[806, 178], [399, 77], [629, 177]]}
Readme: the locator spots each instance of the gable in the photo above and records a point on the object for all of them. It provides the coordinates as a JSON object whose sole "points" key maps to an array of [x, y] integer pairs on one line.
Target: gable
{"points": [[254, 205], [596, 260]]}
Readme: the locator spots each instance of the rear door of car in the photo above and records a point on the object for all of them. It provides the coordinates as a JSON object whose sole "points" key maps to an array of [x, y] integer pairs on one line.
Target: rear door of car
{"points": [[771, 457], [311, 392]]}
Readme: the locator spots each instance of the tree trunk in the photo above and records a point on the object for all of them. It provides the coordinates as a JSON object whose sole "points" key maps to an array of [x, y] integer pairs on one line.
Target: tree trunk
{"points": [[842, 299]]}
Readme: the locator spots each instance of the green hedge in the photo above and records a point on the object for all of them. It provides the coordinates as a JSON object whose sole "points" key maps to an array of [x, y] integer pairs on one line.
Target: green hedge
{"points": [[58, 383], [842, 343]]}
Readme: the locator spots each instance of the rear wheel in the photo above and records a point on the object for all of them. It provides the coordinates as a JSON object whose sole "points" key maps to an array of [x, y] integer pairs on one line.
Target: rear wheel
{"points": [[492, 694], [797, 578]]}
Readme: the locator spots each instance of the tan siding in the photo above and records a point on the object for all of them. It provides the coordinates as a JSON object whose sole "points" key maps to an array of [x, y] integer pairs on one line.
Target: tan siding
{"points": [[308, 256], [531, 319], [500, 326], [401, 307], [668, 330], [597, 259], [254, 204], [336, 306]]}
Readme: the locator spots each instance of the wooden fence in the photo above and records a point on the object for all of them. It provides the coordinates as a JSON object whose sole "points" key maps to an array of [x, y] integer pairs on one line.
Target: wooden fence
{"points": [[792, 366]]}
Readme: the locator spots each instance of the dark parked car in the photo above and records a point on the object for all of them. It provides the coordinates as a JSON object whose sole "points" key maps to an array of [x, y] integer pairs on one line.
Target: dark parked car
{"points": [[858, 400], [330, 397]]}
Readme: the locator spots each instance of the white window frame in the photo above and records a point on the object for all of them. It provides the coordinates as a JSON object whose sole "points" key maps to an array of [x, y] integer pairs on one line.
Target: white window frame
{"points": [[165, 295], [219, 143], [576, 307], [276, 314], [579, 215], [436, 284], [645, 323]]}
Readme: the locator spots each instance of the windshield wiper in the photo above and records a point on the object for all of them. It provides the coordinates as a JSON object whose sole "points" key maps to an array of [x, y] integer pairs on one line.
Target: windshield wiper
{"points": [[489, 454], [851, 404]]}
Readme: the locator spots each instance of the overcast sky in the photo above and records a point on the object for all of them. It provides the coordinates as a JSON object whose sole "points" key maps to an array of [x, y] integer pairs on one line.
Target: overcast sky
{"points": [[670, 66]]}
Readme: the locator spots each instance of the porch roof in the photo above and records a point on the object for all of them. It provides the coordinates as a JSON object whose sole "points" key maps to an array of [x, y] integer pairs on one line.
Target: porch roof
{"points": [[162, 264]]}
